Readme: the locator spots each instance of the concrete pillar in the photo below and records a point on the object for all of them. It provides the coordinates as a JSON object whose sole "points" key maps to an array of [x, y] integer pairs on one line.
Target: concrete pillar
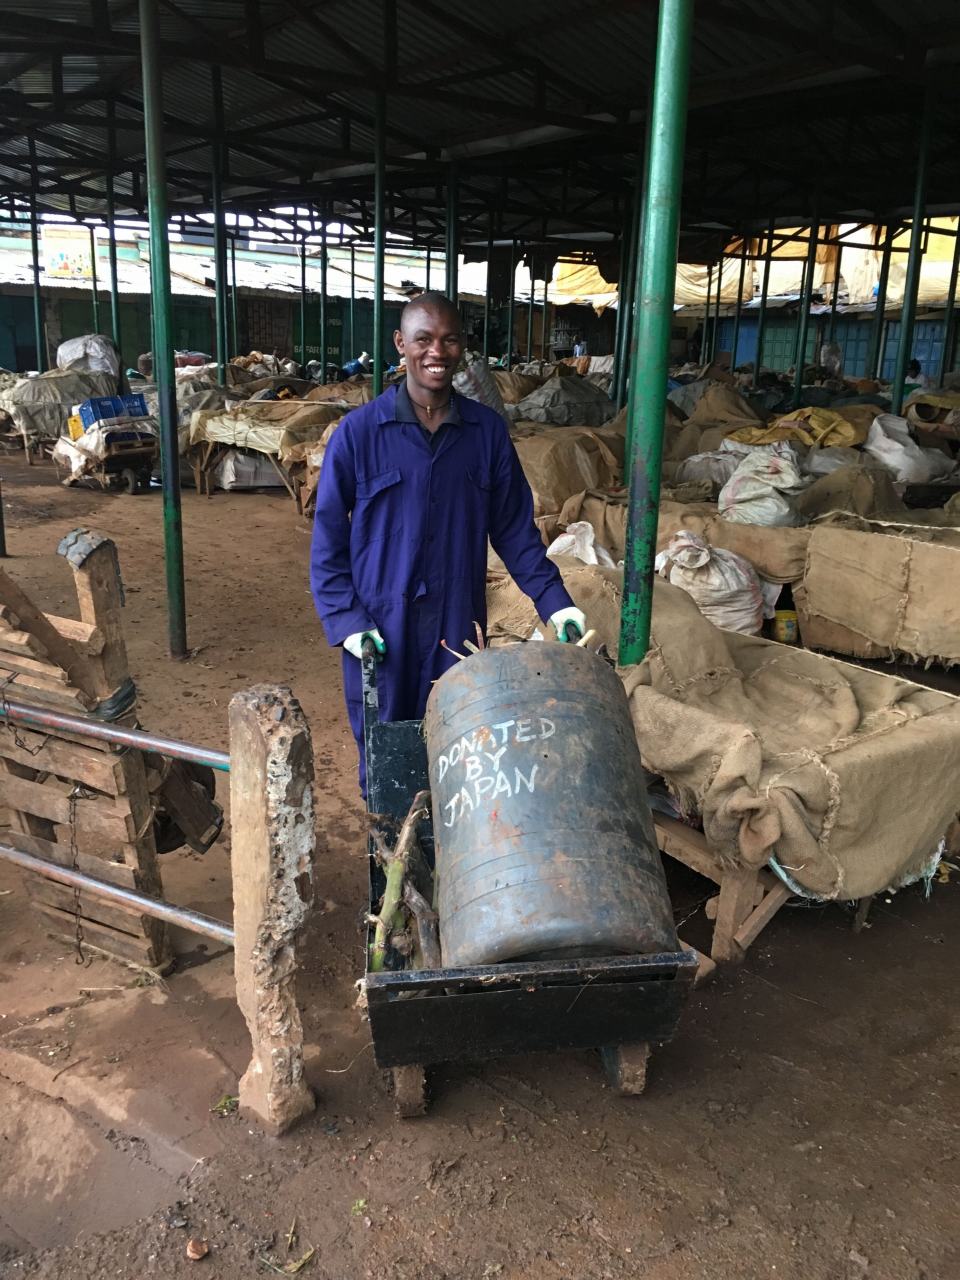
{"points": [[271, 814]]}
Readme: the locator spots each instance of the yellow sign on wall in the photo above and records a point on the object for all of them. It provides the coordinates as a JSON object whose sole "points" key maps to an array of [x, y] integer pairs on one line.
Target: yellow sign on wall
{"points": [[66, 252]]}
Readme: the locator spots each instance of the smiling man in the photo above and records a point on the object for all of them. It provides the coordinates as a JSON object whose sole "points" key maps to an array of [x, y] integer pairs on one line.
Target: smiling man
{"points": [[412, 486]]}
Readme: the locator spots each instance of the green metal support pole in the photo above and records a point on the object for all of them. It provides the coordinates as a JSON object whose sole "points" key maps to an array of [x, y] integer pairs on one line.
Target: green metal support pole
{"points": [[379, 237], [323, 293], [739, 307], [453, 236], [832, 331], [650, 349], [234, 303], [622, 306], [353, 353], [427, 273], [715, 340], [303, 303], [38, 333], [530, 307], [908, 311], [163, 339], [94, 283], [877, 336], [112, 230], [486, 296], [806, 297], [946, 353], [546, 313], [762, 317]]}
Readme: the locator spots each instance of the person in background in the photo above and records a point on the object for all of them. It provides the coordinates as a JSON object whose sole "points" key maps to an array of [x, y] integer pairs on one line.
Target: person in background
{"points": [[579, 346], [412, 486], [916, 377]]}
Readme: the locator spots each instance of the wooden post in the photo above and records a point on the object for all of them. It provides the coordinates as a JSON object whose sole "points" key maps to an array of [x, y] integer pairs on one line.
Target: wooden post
{"points": [[271, 802]]}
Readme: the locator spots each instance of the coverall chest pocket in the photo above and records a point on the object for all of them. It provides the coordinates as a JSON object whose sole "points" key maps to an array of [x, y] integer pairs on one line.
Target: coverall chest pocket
{"points": [[378, 510]]}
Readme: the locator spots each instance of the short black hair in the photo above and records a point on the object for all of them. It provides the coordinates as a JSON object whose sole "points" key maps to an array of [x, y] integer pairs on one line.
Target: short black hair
{"points": [[430, 300]]}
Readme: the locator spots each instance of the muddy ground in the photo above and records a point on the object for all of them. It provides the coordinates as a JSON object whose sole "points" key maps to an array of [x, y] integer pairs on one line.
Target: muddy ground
{"points": [[802, 1125]]}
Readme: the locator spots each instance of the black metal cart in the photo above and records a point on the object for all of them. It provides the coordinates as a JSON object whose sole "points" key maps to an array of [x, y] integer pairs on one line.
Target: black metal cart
{"points": [[621, 1005]]}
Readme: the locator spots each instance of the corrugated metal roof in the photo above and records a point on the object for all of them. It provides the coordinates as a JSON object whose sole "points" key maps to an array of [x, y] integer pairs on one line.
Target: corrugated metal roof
{"points": [[794, 105]]}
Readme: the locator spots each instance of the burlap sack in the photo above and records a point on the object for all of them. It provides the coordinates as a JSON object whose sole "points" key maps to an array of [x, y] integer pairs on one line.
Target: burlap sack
{"points": [[267, 426], [882, 592], [864, 490], [777, 554], [514, 387], [605, 512], [597, 591], [848, 777], [559, 463], [721, 406], [352, 391]]}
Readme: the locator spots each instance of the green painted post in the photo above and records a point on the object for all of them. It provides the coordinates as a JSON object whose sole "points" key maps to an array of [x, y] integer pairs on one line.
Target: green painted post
{"points": [[427, 275], [949, 318], [163, 339], [762, 316], [453, 237], [803, 323], [486, 296], [914, 259], [353, 353], [112, 231], [650, 349], [832, 331], [618, 336], [715, 340], [739, 307], [234, 304], [512, 285], [38, 333], [546, 313], [530, 306], [877, 330], [323, 293], [379, 239], [94, 284]]}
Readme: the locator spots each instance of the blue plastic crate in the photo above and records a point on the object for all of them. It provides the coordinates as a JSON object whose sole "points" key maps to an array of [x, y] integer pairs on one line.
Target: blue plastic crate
{"points": [[100, 407]]}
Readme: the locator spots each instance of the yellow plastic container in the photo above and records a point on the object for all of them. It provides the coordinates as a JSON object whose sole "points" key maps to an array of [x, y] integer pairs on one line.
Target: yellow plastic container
{"points": [[785, 627], [75, 426]]}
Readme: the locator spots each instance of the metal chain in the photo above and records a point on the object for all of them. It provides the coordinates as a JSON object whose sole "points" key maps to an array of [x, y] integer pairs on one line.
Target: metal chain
{"points": [[12, 724], [79, 792]]}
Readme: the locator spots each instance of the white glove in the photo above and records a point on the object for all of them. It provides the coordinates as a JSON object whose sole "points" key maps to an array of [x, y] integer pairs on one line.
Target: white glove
{"points": [[562, 617], [354, 644]]}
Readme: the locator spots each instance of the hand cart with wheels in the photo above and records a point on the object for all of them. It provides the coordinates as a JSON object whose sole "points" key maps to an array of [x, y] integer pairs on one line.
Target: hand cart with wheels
{"points": [[621, 1005]]}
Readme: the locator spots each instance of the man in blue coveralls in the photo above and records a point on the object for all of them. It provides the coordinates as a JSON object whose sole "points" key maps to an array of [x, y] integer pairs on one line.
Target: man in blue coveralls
{"points": [[412, 485]]}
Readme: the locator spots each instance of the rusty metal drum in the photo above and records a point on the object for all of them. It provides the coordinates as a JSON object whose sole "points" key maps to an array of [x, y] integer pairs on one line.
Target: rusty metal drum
{"points": [[545, 845]]}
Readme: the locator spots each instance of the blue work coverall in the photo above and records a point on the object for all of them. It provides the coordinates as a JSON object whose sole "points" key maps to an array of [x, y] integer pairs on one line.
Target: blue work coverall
{"points": [[400, 543]]}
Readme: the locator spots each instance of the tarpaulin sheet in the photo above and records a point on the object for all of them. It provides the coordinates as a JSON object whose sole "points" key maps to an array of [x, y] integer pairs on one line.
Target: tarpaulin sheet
{"points": [[267, 426], [40, 406]]}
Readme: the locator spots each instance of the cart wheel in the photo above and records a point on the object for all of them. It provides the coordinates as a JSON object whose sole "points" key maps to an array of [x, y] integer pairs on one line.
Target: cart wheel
{"points": [[130, 479], [410, 1091], [626, 1067]]}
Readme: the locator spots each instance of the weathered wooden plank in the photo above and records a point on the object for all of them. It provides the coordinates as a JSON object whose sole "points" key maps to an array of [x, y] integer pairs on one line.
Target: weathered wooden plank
{"points": [[77, 665], [98, 816], [23, 643], [14, 663], [761, 916], [60, 896], [124, 946], [88, 639], [53, 851], [93, 768], [96, 576]]}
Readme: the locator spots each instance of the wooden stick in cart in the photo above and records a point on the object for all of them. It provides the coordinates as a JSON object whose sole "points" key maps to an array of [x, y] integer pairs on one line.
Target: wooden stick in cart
{"points": [[584, 640]]}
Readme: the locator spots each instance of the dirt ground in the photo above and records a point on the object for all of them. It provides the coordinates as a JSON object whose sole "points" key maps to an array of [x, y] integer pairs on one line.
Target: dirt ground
{"points": [[801, 1126]]}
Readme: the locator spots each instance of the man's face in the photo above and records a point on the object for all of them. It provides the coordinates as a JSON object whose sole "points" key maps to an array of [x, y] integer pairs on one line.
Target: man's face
{"points": [[431, 344]]}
